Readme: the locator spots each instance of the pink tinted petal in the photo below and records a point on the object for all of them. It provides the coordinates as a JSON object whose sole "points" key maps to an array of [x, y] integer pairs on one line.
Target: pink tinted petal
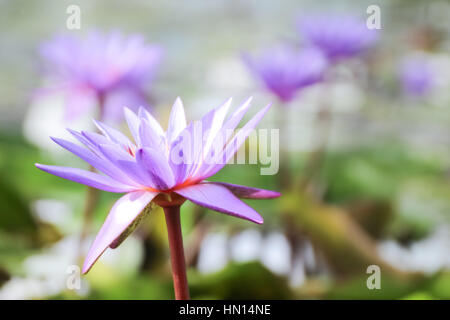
{"points": [[124, 163], [91, 140], [240, 137], [233, 121], [177, 121], [133, 124], [88, 178], [122, 214], [157, 167], [215, 128], [176, 162], [219, 198], [114, 152], [83, 153], [83, 140], [113, 134], [154, 124], [149, 137], [216, 124], [182, 154], [137, 173], [95, 139], [248, 192], [100, 163], [206, 123], [225, 133], [235, 143]]}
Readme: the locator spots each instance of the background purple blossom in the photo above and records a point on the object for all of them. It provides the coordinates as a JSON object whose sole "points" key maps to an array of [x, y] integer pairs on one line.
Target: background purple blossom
{"points": [[113, 68], [339, 36], [384, 181], [285, 70], [416, 76]]}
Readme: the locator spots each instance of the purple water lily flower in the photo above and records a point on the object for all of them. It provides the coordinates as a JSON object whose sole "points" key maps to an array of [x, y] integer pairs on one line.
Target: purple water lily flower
{"points": [[148, 169], [416, 76], [100, 69], [338, 36], [285, 70]]}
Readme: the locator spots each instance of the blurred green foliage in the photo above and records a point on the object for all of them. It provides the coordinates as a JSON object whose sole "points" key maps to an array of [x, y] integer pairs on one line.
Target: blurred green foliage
{"points": [[392, 185]]}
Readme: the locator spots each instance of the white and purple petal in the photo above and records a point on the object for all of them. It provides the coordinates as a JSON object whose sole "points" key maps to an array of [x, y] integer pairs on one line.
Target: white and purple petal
{"points": [[234, 144], [99, 162], [88, 178], [219, 198], [177, 121], [157, 167], [124, 212]]}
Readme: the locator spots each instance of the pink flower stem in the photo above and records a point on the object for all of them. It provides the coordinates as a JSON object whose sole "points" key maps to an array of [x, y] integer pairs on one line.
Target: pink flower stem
{"points": [[180, 283]]}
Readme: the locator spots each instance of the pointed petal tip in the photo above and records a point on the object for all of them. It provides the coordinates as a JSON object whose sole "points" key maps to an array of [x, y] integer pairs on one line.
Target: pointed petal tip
{"points": [[42, 167], [259, 221], [72, 132], [127, 110], [178, 103], [57, 140], [268, 194], [87, 265], [276, 194], [97, 124], [85, 269], [226, 104], [264, 110], [246, 103]]}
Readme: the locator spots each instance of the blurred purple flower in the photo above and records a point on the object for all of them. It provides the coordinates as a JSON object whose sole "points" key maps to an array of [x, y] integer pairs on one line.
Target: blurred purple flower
{"points": [[100, 69], [147, 169], [285, 70], [416, 76], [338, 36]]}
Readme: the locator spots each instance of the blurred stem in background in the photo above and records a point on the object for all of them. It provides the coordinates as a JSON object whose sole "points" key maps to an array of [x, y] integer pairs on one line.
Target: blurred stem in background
{"points": [[198, 234], [281, 122], [320, 137], [336, 233]]}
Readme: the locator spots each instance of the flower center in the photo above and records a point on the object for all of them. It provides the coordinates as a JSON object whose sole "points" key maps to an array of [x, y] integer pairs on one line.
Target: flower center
{"points": [[131, 151], [169, 199]]}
